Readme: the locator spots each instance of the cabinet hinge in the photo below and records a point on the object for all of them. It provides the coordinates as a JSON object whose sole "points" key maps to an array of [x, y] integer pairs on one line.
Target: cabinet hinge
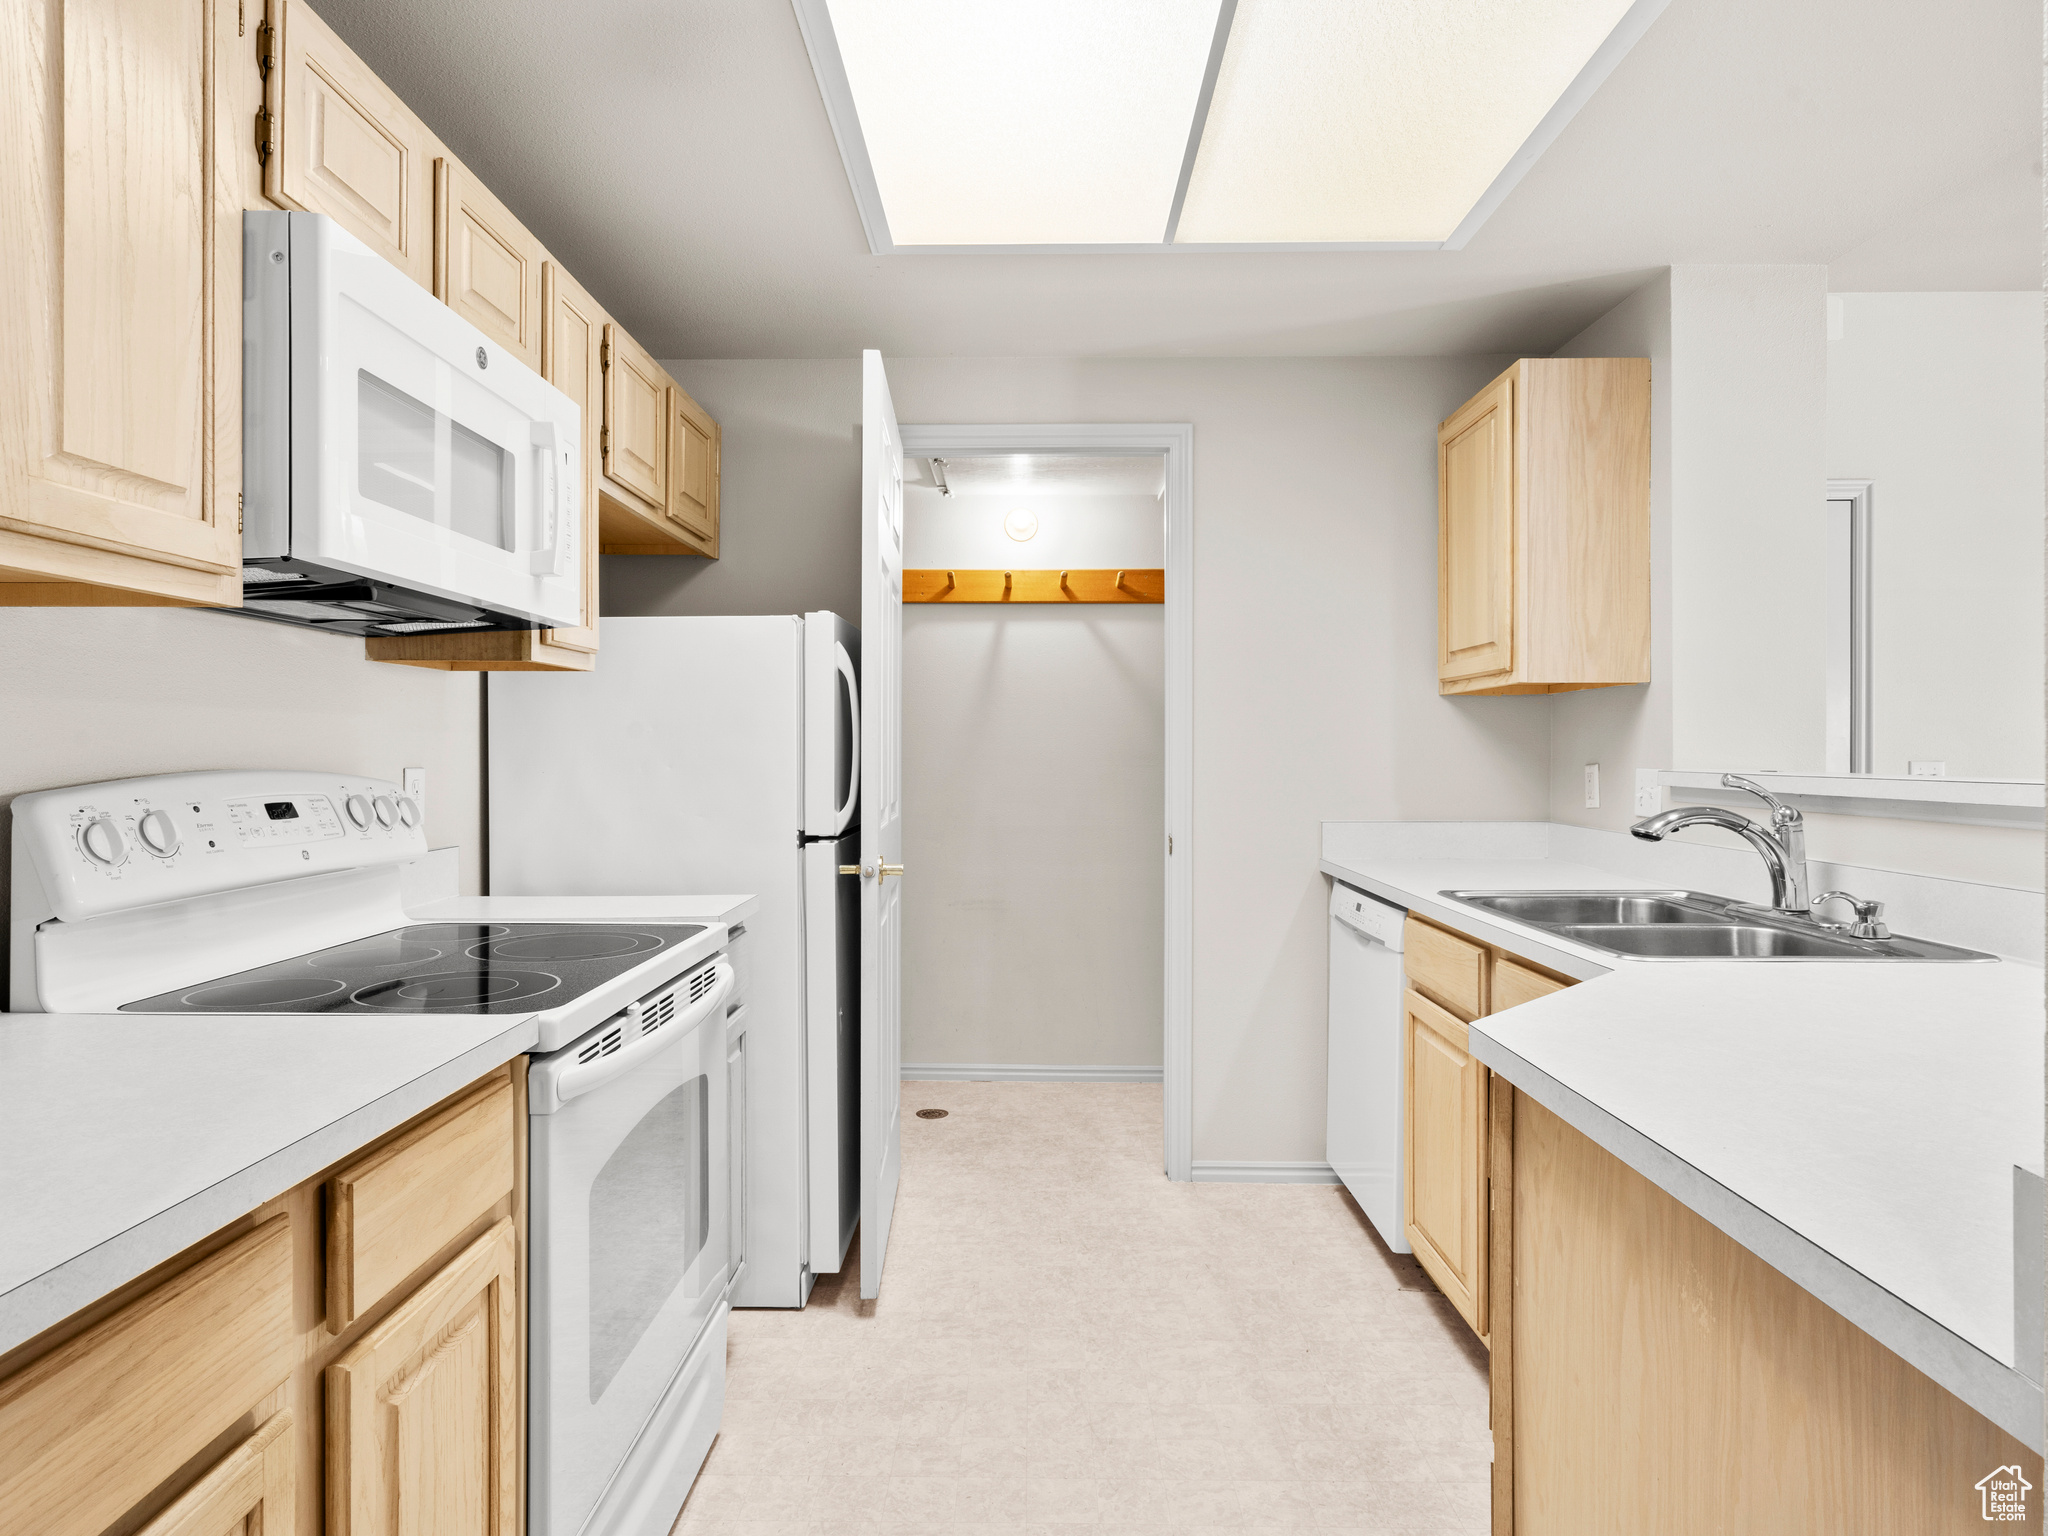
{"points": [[238, 511], [241, 21], [604, 356], [604, 442], [266, 48], [264, 142]]}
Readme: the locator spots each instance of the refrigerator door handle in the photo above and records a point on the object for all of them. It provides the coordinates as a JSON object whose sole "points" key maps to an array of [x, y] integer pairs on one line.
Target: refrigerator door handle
{"points": [[845, 665]]}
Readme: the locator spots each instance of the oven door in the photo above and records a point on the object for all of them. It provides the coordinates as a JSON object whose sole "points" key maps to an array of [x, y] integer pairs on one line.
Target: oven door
{"points": [[630, 1233], [424, 453]]}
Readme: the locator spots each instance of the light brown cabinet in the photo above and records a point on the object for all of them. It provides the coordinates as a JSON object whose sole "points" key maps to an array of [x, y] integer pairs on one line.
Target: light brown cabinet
{"points": [[1543, 530], [339, 142], [692, 472], [423, 1411], [1445, 1113], [106, 1419], [1449, 1108], [487, 268], [634, 440], [120, 464]]}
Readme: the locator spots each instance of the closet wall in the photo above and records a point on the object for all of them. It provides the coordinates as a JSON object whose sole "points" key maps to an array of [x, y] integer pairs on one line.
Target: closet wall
{"points": [[1033, 747]]}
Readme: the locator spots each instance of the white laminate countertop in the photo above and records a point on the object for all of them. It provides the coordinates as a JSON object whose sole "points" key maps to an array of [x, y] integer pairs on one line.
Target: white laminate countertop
{"points": [[1855, 1124], [129, 1137]]}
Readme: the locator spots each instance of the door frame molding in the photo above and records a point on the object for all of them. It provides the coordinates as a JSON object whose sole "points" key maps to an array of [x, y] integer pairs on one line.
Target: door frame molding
{"points": [[1176, 440]]}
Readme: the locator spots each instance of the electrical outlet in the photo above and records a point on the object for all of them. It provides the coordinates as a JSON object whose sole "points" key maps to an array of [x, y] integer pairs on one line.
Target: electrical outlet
{"points": [[1592, 786], [414, 782], [1649, 793]]}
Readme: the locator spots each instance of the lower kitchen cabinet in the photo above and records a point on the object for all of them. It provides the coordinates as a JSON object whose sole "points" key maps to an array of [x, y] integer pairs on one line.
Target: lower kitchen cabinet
{"points": [[1450, 1104], [1446, 1155], [1661, 1377], [251, 1490], [423, 1411], [217, 1392]]}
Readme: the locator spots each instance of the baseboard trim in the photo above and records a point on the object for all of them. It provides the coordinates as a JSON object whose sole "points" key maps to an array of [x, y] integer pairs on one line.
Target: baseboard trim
{"points": [[1264, 1173], [1024, 1072]]}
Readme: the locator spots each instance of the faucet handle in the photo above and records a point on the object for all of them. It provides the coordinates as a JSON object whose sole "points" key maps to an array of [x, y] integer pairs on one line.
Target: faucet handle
{"points": [[1869, 922], [1781, 813]]}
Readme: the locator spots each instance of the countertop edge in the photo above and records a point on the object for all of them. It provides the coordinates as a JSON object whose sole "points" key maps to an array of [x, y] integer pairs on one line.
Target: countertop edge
{"points": [[2002, 1394], [1524, 942], [56, 1293]]}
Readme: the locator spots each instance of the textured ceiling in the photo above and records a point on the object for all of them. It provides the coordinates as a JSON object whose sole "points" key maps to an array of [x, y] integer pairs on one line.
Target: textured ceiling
{"points": [[676, 156]]}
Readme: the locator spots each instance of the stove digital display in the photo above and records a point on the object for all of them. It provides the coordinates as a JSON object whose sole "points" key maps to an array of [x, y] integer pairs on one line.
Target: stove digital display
{"points": [[280, 810]]}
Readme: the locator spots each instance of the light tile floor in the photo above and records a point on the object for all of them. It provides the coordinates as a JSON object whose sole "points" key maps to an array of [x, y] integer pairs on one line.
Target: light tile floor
{"points": [[1065, 1340]]}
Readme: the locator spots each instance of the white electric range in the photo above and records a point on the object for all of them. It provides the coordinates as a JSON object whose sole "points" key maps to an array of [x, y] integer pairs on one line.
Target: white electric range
{"points": [[279, 893]]}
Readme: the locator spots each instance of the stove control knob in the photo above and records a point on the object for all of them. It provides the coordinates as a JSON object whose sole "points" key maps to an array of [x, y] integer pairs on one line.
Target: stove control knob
{"points": [[408, 810], [159, 833], [387, 813], [358, 809], [102, 841]]}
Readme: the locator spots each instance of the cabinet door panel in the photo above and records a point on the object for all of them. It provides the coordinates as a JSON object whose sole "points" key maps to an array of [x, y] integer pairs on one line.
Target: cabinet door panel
{"points": [[89, 1429], [1446, 1171], [635, 440], [1475, 559], [110, 248], [486, 266], [693, 469], [250, 1493], [345, 146], [423, 1411]]}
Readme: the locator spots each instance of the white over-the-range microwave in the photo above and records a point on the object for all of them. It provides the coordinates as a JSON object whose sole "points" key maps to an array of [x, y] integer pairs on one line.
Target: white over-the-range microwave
{"points": [[402, 473]]}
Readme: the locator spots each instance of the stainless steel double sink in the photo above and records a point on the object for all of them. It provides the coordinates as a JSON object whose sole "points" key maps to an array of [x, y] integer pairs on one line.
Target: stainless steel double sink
{"points": [[1691, 925]]}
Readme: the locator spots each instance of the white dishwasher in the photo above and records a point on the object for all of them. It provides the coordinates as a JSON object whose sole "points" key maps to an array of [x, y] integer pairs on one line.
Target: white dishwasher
{"points": [[1364, 1138]]}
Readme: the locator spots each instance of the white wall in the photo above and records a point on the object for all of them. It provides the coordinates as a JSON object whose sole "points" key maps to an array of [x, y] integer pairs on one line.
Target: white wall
{"points": [[1738, 459], [1315, 665], [1079, 532], [1749, 410], [107, 693], [1034, 748], [1937, 398]]}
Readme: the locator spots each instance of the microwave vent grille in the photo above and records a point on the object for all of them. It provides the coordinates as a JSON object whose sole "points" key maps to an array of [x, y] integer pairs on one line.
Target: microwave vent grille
{"points": [[422, 626]]}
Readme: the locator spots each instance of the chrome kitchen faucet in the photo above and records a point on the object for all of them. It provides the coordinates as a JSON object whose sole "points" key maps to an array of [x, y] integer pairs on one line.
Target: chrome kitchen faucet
{"points": [[1782, 847]]}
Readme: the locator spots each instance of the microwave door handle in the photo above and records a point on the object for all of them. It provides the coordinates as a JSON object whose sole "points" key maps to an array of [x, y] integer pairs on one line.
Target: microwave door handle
{"points": [[552, 558]]}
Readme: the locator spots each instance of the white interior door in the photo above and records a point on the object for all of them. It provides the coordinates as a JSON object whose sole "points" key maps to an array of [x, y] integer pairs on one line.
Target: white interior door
{"points": [[881, 821]]}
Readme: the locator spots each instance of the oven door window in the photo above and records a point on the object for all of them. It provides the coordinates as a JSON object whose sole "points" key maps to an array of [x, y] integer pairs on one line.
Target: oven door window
{"points": [[420, 461], [650, 1213]]}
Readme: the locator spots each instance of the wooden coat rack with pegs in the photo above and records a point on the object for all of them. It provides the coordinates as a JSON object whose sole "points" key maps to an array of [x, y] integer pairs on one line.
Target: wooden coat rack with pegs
{"points": [[1071, 586]]}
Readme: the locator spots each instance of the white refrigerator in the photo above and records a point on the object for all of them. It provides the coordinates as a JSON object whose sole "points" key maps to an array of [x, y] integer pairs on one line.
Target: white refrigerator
{"points": [[719, 754]]}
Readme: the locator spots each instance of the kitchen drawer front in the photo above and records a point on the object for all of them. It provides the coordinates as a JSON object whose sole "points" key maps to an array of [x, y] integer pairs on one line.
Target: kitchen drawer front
{"points": [[392, 1210], [252, 1489], [88, 1430], [1447, 968], [1515, 983]]}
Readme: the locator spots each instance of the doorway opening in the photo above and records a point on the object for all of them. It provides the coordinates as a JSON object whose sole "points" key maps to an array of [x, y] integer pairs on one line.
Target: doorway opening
{"points": [[1047, 745]]}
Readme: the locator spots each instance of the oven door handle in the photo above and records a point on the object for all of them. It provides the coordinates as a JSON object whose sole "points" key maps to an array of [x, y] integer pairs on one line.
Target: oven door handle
{"points": [[575, 1081]]}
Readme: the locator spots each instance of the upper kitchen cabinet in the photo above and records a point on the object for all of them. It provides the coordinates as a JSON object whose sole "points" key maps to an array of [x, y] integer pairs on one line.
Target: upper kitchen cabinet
{"points": [[337, 141], [659, 491], [692, 472], [120, 452], [1543, 524], [635, 435], [487, 268]]}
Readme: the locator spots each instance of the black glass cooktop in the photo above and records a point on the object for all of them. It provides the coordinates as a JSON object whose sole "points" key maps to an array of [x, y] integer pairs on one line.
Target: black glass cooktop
{"points": [[436, 968]]}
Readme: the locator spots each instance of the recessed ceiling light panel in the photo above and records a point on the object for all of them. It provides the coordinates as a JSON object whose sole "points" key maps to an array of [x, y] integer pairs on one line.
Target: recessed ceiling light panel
{"points": [[1378, 121], [1059, 122]]}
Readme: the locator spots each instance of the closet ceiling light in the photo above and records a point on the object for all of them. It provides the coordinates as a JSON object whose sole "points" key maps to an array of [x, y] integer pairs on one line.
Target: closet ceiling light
{"points": [[1200, 125]]}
